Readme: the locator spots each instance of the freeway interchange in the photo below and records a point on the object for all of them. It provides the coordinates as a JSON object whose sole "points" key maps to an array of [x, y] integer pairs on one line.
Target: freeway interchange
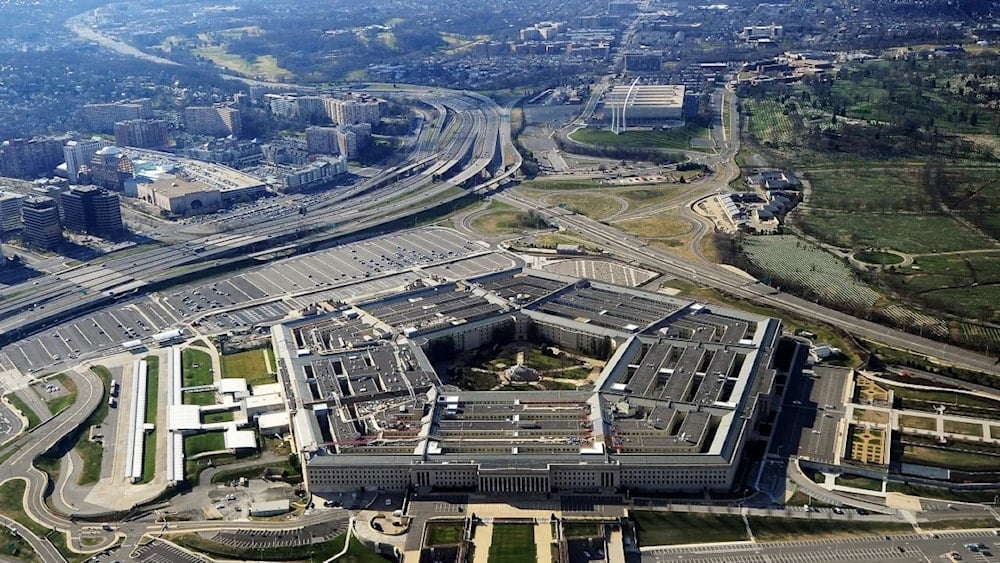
{"points": [[465, 151]]}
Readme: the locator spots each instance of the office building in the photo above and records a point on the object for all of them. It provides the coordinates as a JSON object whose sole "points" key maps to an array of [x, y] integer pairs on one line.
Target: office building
{"points": [[93, 211], [643, 61], [10, 212], [102, 117], [685, 389], [78, 154], [217, 121], [42, 228], [141, 133], [643, 105], [30, 158]]}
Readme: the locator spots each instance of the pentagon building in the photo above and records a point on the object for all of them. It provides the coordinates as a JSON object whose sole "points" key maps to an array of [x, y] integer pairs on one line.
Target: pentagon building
{"points": [[686, 388]]}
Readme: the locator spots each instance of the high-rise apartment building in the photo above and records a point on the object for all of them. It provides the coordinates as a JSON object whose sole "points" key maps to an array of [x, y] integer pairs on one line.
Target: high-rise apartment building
{"points": [[218, 121], [30, 158], [92, 210], [10, 212], [356, 109], [41, 222], [141, 133], [78, 154], [322, 140], [102, 117]]}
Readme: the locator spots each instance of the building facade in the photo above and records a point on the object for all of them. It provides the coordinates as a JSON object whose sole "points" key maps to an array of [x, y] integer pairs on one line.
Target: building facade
{"points": [[93, 211], [10, 212], [217, 121], [79, 153], [141, 133], [102, 117], [42, 228]]}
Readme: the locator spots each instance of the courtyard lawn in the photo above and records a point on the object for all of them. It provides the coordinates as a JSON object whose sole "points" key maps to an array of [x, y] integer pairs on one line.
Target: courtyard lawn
{"points": [[251, 365], [513, 543]]}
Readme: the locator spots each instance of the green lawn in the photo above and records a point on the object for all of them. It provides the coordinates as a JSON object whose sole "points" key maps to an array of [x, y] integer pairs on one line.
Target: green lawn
{"points": [[212, 418], [444, 533], [149, 457], [15, 546], [859, 482], [513, 543], [12, 506], [196, 367], [668, 528], [20, 405], [917, 234], [152, 388], [581, 529], [65, 400], [199, 398], [251, 365], [966, 428], [950, 459], [673, 138], [591, 204], [204, 442], [356, 552], [780, 529], [91, 453]]}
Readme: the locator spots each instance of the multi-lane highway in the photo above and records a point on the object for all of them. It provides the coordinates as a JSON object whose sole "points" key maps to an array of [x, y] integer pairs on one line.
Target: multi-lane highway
{"points": [[466, 137], [721, 278]]}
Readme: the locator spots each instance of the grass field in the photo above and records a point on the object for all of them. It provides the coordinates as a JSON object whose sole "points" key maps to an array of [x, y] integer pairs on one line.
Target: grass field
{"points": [[60, 403], [15, 546], [356, 551], [204, 442], [501, 219], [444, 533], [917, 422], [593, 205], [950, 458], [581, 529], [199, 398], [768, 120], [32, 416], [639, 198], [215, 417], [669, 528], [878, 257], [251, 365], [966, 428], [562, 185], [673, 138], [196, 367], [12, 506], [859, 482], [513, 543], [91, 453], [149, 457], [780, 529], [264, 66], [914, 234], [666, 225]]}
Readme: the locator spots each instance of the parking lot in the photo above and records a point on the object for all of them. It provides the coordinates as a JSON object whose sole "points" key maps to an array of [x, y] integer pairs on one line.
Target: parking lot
{"points": [[602, 270], [258, 296], [903, 547]]}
